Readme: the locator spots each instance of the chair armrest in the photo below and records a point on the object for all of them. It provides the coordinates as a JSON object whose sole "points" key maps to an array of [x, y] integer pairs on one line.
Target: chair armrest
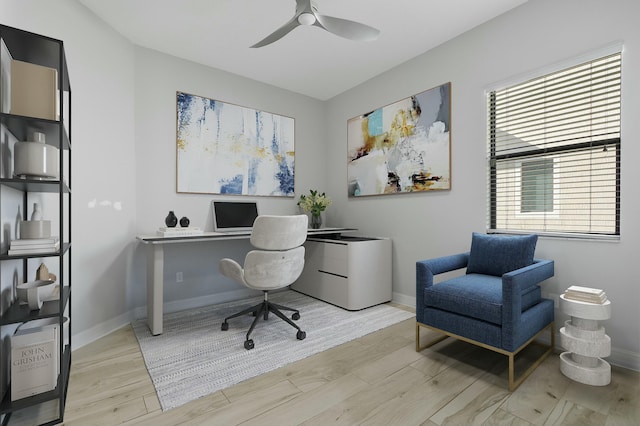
{"points": [[232, 269], [441, 265], [426, 269], [514, 282]]}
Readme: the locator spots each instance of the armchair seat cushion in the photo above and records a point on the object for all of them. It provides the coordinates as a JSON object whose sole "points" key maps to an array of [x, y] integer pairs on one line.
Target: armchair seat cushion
{"points": [[473, 295], [477, 296]]}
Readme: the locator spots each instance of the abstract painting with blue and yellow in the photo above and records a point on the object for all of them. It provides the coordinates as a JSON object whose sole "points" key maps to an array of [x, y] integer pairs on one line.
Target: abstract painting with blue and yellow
{"points": [[402, 147], [224, 148]]}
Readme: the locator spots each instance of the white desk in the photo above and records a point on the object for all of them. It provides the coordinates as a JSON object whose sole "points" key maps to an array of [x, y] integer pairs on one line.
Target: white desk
{"points": [[155, 264]]}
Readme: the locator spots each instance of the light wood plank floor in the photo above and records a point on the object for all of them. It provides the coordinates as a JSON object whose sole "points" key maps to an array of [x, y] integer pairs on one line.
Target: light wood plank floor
{"points": [[376, 379]]}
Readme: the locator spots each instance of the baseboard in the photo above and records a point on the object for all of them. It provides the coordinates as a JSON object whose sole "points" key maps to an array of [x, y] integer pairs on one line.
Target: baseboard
{"points": [[92, 334], [197, 302], [403, 299]]}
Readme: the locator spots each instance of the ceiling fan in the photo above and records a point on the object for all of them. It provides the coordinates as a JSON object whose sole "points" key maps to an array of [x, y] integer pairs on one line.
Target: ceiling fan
{"points": [[307, 14]]}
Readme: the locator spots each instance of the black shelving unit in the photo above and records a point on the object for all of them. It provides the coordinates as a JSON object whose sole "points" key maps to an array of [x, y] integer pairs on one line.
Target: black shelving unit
{"points": [[41, 50]]}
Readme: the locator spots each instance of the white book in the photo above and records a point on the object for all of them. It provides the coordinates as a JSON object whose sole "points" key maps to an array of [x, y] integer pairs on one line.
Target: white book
{"points": [[34, 360], [24, 251], [28, 242], [585, 290]]}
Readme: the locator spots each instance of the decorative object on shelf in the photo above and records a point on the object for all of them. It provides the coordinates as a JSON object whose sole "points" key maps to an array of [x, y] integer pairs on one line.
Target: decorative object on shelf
{"points": [[36, 228], [171, 220], [42, 273], [315, 204], [36, 159], [184, 222], [34, 90], [223, 148], [583, 338], [35, 292], [36, 214], [402, 147]]}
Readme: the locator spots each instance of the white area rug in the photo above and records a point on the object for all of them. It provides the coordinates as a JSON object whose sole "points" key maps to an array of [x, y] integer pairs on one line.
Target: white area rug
{"points": [[194, 358]]}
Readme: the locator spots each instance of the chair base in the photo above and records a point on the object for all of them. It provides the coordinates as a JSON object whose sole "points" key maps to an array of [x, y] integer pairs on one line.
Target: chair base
{"points": [[513, 382], [263, 309]]}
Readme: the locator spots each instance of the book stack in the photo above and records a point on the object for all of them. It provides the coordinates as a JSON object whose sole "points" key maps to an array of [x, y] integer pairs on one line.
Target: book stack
{"points": [[585, 294], [34, 246], [179, 232]]}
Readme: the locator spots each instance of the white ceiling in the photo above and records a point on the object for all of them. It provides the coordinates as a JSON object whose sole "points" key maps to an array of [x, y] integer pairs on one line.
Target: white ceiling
{"points": [[308, 60]]}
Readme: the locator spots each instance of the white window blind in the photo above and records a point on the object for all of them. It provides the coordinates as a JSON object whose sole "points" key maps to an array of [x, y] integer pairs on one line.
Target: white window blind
{"points": [[554, 152]]}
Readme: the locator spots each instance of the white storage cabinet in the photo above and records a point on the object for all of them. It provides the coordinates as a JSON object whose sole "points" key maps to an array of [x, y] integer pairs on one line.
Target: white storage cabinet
{"points": [[351, 272]]}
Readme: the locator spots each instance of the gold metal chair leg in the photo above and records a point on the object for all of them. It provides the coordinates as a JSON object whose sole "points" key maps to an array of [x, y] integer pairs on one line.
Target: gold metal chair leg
{"points": [[428, 344], [513, 383]]}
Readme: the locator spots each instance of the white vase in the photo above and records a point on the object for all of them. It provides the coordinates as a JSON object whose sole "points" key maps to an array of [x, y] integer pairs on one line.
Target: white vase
{"points": [[36, 158], [36, 214]]}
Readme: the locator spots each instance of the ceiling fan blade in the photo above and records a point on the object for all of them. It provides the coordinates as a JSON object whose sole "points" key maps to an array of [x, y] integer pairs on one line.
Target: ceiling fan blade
{"points": [[279, 33], [348, 29]]}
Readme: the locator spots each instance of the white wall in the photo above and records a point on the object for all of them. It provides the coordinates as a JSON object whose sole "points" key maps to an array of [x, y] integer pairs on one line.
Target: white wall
{"points": [[158, 77], [531, 37]]}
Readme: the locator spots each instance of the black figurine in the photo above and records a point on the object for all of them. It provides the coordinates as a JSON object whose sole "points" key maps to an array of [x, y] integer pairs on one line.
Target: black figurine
{"points": [[171, 220]]}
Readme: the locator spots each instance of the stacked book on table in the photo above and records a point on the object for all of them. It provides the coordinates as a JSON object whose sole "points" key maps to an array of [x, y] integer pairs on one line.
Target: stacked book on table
{"points": [[34, 246], [185, 231], [585, 294]]}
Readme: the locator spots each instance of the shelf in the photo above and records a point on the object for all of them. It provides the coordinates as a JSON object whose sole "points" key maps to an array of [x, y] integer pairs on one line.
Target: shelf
{"points": [[8, 406], [29, 47], [36, 185], [18, 313], [19, 127], [48, 52]]}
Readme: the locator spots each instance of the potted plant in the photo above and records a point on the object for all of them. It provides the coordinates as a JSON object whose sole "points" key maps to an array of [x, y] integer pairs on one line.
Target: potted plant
{"points": [[315, 204]]}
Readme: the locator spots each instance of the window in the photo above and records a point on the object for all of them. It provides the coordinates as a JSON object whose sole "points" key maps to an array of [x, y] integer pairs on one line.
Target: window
{"points": [[554, 152], [537, 186]]}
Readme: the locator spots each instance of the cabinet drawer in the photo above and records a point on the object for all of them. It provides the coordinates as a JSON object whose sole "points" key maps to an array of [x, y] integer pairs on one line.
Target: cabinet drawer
{"points": [[328, 257]]}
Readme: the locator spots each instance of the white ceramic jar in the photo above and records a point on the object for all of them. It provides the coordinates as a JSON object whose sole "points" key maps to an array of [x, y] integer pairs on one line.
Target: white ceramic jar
{"points": [[36, 158]]}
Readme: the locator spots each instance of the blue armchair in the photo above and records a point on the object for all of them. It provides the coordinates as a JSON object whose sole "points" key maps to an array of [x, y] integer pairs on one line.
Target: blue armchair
{"points": [[497, 304]]}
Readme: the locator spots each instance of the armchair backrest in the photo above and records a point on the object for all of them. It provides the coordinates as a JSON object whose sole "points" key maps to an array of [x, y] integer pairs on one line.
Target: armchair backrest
{"points": [[498, 254]]}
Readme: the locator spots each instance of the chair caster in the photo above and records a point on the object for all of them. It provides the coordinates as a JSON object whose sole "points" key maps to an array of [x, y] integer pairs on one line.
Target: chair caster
{"points": [[295, 316], [301, 335], [225, 326], [248, 344]]}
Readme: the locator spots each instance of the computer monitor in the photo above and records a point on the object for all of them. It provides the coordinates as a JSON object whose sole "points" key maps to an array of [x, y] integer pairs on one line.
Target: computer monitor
{"points": [[233, 216]]}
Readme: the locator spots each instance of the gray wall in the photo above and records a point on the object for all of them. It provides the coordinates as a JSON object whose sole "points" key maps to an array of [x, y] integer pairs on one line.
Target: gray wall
{"points": [[124, 157], [534, 37]]}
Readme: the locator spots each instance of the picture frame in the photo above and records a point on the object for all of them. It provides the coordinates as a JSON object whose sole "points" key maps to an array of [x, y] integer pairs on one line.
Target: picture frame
{"points": [[403, 147], [223, 148]]}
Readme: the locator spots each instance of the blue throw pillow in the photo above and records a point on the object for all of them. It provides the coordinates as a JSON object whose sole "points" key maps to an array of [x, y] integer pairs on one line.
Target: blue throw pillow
{"points": [[499, 254]]}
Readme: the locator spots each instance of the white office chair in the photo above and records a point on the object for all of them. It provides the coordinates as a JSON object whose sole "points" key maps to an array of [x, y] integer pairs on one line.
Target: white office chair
{"points": [[277, 262]]}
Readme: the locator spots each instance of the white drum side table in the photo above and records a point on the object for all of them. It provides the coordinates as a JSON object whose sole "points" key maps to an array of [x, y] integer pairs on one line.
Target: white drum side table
{"points": [[586, 342]]}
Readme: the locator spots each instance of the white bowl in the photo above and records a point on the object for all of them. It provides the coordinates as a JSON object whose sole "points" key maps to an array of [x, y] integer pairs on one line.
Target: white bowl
{"points": [[45, 289]]}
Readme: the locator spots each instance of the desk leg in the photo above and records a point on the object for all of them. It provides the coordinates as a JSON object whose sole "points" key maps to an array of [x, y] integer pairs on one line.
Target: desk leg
{"points": [[155, 287]]}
